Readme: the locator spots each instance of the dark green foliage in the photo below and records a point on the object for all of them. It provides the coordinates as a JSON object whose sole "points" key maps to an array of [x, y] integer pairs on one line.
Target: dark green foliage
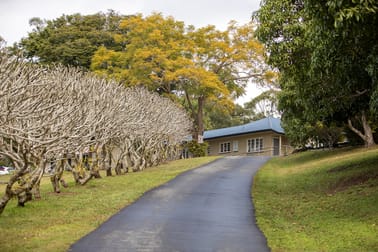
{"points": [[70, 39], [217, 117], [198, 149], [326, 52]]}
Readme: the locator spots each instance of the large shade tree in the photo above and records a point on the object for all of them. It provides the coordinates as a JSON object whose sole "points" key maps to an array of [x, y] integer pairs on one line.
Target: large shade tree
{"points": [[326, 53]]}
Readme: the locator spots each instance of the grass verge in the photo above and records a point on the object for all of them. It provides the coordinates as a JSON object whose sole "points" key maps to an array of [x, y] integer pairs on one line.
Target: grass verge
{"points": [[58, 220], [319, 201]]}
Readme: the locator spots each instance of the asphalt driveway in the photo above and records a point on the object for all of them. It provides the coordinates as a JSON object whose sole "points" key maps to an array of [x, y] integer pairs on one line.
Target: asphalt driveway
{"points": [[206, 209]]}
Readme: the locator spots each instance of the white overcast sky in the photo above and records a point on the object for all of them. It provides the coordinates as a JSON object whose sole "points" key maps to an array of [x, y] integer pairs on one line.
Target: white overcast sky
{"points": [[15, 14]]}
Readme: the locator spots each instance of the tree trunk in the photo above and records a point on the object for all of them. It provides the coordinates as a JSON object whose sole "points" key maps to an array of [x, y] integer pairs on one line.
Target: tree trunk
{"points": [[199, 128], [118, 168], [9, 193], [55, 183], [197, 117], [4, 201], [37, 191], [25, 193], [57, 178], [86, 179], [24, 197], [94, 167], [78, 170], [367, 134], [127, 162], [108, 164]]}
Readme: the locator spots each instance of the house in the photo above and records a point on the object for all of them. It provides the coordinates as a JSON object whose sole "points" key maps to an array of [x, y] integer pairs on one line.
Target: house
{"points": [[264, 137]]}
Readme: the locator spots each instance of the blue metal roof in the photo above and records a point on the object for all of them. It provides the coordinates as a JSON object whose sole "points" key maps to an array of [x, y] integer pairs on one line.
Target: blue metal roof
{"points": [[266, 124]]}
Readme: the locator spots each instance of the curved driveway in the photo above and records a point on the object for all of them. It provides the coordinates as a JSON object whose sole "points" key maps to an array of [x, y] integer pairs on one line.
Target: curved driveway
{"points": [[206, 209]]}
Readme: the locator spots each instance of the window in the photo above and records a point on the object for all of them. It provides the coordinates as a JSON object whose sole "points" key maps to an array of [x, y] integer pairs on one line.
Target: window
{"points": [[255, 145], [225, 147], [235, 147]]}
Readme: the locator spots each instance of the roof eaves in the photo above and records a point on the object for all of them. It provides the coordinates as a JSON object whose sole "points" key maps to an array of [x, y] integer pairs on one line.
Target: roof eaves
{"points": [[244, 133]]}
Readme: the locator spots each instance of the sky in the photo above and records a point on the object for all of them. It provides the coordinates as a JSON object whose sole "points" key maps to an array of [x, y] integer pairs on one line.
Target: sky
{"points": [[15, 14]]}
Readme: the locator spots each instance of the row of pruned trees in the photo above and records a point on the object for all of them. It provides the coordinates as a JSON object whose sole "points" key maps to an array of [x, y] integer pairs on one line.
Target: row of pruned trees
{"points": [[60, 117]]}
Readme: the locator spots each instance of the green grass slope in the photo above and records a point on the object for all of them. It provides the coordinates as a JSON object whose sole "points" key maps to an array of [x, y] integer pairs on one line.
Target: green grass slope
{"points": [[319, 201]]}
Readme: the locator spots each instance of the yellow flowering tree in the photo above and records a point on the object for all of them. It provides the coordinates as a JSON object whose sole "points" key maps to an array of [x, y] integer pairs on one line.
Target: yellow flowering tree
{"points": [[194, 66]]}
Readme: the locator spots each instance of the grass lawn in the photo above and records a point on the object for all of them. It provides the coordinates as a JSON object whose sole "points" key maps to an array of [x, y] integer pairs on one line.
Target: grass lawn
{"points": [[58, 220], [319, 201]]}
